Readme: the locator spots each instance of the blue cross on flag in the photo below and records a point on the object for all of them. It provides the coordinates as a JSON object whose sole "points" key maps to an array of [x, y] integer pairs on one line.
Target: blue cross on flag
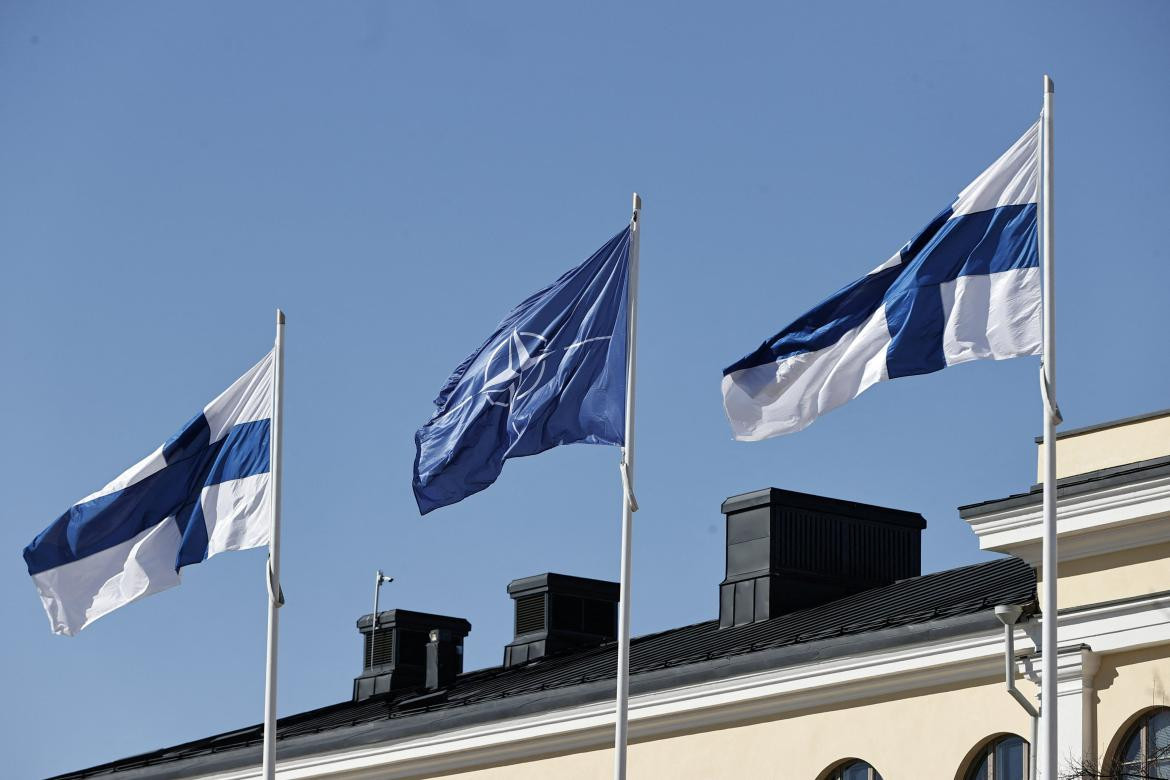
{"points": [[553, 372], [967, 287], [204, 491]]}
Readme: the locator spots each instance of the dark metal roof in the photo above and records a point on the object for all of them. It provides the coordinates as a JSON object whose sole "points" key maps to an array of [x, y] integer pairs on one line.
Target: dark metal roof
{"points": [[901, 613], [1077, 484]]}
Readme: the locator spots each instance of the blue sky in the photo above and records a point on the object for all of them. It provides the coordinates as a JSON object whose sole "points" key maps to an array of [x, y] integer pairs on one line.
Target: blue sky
{"points": [[396, 176]]}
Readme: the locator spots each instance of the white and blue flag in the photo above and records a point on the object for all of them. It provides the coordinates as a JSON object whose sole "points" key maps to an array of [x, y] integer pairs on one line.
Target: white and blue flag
{"points": [[553, 372], [965, 288], [204, 491]]}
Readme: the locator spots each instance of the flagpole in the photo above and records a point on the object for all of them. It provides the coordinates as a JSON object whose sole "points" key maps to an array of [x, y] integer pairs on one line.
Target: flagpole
{"points": [[275, 595], [1049, 570], [629, 504]]}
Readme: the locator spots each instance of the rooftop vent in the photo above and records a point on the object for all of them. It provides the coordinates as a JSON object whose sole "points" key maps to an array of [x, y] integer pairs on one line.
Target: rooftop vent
{"points": [[395, 656], [557, 612], [788, 551]]}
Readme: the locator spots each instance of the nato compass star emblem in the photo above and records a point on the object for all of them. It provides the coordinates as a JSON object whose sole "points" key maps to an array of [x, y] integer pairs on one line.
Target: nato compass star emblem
{"points": [[514, 368]]}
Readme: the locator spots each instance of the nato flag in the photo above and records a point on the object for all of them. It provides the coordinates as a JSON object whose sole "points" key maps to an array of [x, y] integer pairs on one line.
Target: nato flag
{"points": [[553, 372]]}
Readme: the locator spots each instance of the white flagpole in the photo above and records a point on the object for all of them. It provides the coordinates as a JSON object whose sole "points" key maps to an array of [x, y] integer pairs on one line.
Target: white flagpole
{"points": [[1049, 571], [275, 595], [629, 505]]}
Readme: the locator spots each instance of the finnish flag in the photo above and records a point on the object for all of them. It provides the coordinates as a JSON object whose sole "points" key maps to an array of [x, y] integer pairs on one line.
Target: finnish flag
{"points": [[204, 491], [967, 287]]}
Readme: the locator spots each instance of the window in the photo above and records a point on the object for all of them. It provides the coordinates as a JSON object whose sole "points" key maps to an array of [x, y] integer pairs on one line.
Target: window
{"points": [[1145, 751], [854, 770], [1005, 758]]}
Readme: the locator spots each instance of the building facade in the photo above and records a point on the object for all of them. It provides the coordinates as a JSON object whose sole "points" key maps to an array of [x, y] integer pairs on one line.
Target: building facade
{"points": [[831, 657]]}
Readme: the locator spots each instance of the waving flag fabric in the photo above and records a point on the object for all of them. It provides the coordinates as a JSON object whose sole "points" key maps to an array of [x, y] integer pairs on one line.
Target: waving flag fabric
{"points": [[966, 287], [553, 372], [204, 491]]}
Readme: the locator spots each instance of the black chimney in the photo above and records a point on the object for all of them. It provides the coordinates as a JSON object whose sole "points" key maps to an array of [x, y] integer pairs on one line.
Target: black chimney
{"points": [[788, 551], [395, 656], [556, 612], [444, 658]]}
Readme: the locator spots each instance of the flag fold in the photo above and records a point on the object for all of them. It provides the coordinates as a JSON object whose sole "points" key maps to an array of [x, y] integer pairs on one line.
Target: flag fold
{"points": [[204, 491], [965, 288]]}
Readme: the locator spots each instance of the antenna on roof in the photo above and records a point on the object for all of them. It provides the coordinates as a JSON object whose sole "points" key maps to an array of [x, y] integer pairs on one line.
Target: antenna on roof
{"points": [[379, 578]]}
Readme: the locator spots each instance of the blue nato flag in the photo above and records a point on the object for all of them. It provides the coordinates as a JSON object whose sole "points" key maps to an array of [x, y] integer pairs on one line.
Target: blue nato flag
{"points": [[553, 372]]}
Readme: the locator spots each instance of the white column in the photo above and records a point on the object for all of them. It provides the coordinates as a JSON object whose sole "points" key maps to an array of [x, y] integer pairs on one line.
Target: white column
{"points": [[1076, 669], [1076, 705]]}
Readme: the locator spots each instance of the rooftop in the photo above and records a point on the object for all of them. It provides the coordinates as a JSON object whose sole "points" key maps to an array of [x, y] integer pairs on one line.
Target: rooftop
{"points": [[912, 610]]}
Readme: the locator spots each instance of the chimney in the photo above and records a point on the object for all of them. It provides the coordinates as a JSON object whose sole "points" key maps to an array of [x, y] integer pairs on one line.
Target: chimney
{"points": [[396, 656], [444, 658], [788, 551], [556, 612]]}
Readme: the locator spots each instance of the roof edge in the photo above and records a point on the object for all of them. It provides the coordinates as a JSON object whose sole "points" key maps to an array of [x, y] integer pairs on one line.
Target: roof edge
{"points": [[1137, 418], [382, 731], [1076, 484]]}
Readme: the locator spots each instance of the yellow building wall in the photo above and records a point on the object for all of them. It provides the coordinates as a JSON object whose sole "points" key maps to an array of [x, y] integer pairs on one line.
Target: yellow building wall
{"points": [[589, 764], [927, 736], [1143, 439], [930, 735], [1102, 578], [1128, 683]]}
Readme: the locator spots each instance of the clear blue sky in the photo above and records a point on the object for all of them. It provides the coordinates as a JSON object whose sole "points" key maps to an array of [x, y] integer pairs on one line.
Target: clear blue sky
{"points": [[397, 175]]}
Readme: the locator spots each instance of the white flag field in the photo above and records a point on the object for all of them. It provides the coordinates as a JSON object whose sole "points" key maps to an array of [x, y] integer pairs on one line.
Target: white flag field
{"points": [[204, 491], [965, 288]]}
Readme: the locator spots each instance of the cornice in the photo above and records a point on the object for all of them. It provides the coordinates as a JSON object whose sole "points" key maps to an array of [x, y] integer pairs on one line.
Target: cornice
{"points": [[1092, 523], [707, 705]]}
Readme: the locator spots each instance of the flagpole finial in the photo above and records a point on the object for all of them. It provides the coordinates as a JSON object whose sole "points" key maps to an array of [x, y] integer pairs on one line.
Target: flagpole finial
{"points": [[637, 202], [279, 317], [1048, 85]]}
